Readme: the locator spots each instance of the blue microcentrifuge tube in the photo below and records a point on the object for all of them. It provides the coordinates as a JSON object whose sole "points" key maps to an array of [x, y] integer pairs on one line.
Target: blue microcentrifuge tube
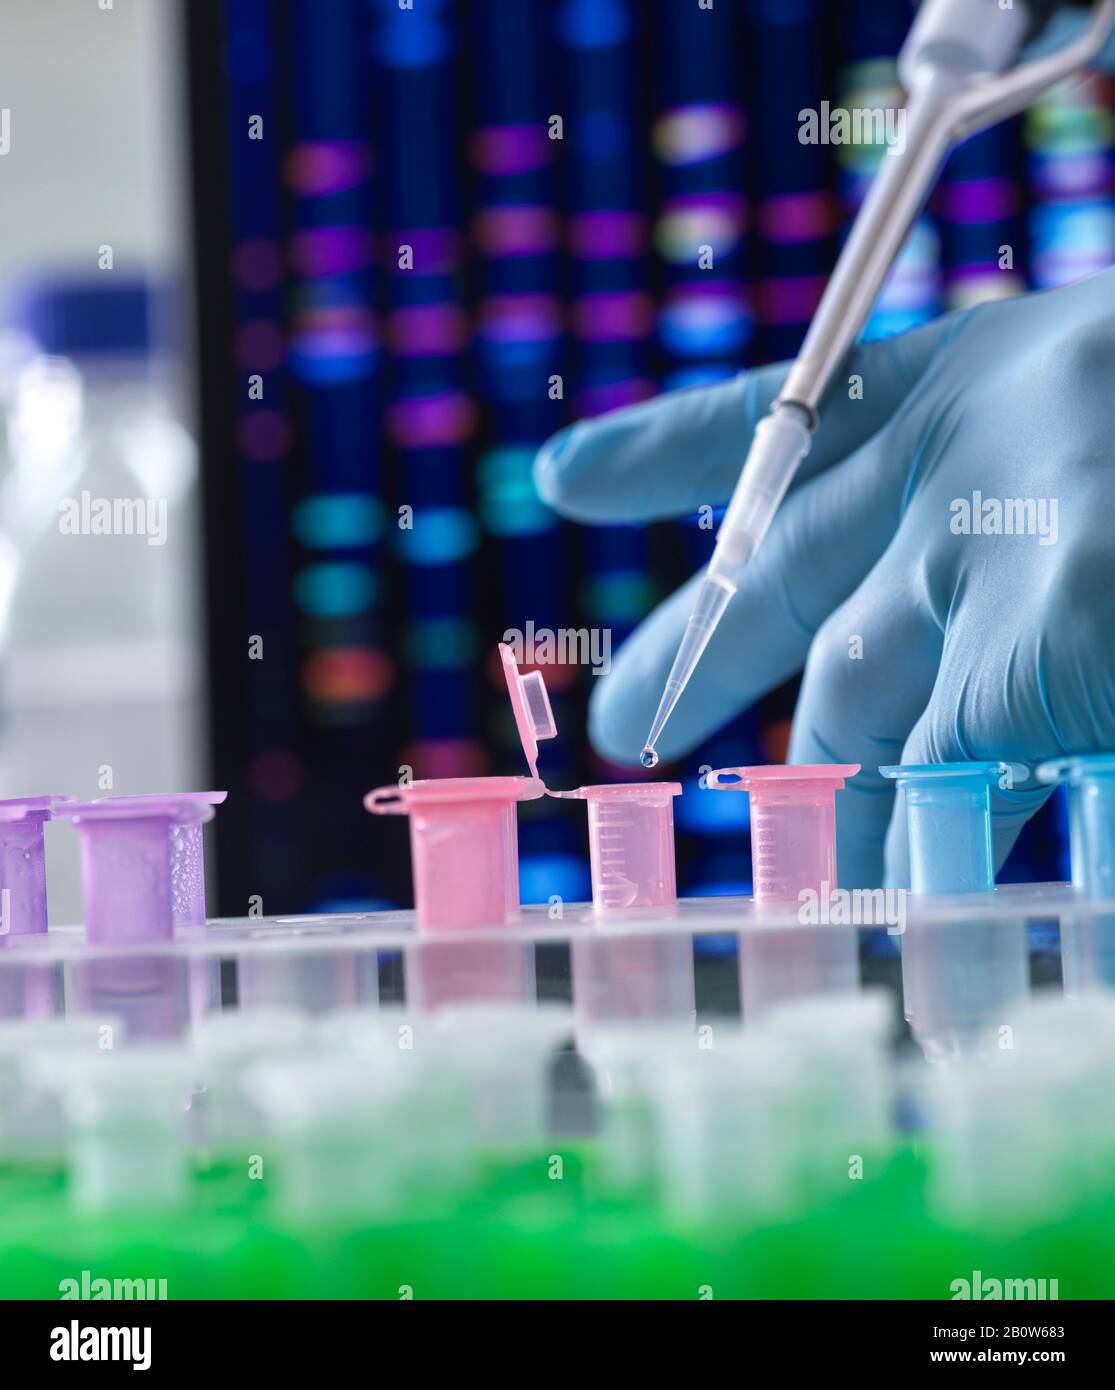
{"points": [[1091, 787], [948, 823], [1087, 937], [960, 977]]}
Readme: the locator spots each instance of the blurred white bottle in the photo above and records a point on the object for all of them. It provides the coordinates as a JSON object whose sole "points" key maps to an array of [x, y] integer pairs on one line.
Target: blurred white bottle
{"points": [[100, 565]]}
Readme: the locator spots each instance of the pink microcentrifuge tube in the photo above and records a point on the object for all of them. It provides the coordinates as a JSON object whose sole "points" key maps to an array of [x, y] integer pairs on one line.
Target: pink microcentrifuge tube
{"points": [[464, 839], [630, 842], [464, 836], [128, 865], [793, 824], [463, 844], [630, 824], [23, 863]]}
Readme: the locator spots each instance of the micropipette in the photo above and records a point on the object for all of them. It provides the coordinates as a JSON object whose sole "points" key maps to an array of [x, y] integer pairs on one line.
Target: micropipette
{"points": [[953, 67]]}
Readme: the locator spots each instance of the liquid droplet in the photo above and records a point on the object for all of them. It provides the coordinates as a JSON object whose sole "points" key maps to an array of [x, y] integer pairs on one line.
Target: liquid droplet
{"points": [[648, 757]]}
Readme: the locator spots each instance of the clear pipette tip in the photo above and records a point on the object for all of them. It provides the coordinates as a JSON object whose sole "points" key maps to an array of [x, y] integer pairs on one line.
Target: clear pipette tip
{"points": [[712, 599]]}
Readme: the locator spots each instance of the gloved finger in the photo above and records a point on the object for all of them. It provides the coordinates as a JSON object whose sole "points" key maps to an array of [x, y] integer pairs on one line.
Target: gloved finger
{"points": [[825, 538], [870, 671], [683, 450]]}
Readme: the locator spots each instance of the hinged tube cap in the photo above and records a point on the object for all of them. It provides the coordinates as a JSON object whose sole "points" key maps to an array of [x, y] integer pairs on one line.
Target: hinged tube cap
{"points": [[530, 703]]}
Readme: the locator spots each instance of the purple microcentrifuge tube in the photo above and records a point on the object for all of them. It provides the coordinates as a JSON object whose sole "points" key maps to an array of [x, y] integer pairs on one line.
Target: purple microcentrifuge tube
{"points": [[134, 889], [187, 856], [23, 863]]}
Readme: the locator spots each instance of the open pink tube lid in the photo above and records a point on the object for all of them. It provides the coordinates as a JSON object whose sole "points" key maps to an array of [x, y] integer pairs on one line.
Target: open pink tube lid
{"points": [[530, 702], [534, 720]]}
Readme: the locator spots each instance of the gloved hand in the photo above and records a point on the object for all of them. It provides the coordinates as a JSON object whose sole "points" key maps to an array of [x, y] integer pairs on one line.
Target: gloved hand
{"points": [[921, 643]]}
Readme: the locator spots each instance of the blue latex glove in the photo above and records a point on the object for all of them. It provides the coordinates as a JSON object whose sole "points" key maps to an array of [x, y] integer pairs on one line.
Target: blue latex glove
{"points": [[973, 646]]}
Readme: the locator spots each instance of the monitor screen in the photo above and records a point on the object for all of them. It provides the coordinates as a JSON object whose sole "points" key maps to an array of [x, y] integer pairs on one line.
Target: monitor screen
{"points": [[428, 235]]}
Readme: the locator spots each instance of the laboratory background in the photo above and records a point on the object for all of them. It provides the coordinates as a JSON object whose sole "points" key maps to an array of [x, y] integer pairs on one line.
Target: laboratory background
{"points": [[207, 303]]}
